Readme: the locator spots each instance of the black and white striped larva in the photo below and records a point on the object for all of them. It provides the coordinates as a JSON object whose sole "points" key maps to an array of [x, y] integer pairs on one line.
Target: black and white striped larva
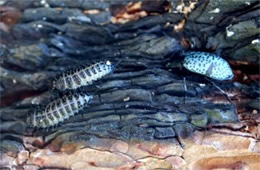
{"points": [[83, 76], [58, 110]]}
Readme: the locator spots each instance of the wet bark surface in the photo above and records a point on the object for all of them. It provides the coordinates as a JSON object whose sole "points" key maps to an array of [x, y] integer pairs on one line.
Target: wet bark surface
{"points": [[150, 113]]}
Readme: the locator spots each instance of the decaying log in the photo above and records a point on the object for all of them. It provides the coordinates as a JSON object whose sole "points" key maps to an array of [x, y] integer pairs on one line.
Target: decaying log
{"points": [[148, 114]]}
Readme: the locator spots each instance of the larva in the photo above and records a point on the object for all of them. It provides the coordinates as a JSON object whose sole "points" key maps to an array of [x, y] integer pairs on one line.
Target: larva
{"points": [[208, 64], [58, 110], [83, 76]]}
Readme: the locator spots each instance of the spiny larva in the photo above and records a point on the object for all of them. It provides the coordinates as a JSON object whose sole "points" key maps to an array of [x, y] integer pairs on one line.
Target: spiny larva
{"points": [[58, 110], [208, 64], [83, 75]]}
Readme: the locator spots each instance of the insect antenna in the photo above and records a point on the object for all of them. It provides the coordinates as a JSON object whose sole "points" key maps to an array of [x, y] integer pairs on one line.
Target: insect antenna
{"points": [[116, 64], [55, 78], [222, 91], [49, 83], [29, 116]]}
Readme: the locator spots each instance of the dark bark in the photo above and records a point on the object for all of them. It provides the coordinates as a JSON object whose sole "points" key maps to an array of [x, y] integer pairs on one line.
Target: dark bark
{"points": [[145, 98]]}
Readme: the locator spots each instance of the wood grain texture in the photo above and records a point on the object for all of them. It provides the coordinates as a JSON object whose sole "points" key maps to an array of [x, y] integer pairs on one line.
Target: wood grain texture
{"points": [[149, 113]]}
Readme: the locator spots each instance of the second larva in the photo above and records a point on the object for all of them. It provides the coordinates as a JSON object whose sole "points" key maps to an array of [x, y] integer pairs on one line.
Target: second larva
{"points": [[82, 76], [58, 110]]}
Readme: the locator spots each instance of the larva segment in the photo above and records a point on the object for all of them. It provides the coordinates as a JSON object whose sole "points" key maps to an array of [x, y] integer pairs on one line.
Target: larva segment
{"points": [[83, 76], [58, 110]]}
